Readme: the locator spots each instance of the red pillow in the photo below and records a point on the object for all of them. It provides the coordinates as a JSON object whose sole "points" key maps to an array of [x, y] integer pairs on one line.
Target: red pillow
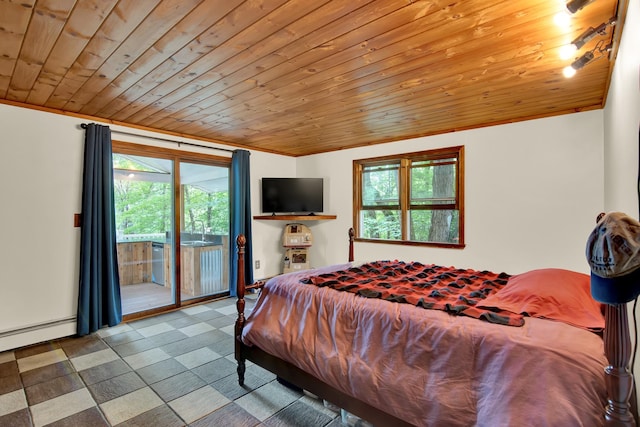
{"points": [[550, 293]]}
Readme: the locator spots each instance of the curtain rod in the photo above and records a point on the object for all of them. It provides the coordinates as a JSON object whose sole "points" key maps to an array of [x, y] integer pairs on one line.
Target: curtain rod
{"points": [[84, 126]]}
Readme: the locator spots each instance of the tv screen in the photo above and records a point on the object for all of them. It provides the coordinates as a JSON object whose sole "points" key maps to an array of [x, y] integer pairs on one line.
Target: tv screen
{"points": [[292, 195]]}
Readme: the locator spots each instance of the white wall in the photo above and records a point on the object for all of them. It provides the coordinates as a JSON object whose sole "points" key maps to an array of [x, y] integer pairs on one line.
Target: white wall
{"points": [[621, 126], [40, 177], [533, 190], [622, 121]]}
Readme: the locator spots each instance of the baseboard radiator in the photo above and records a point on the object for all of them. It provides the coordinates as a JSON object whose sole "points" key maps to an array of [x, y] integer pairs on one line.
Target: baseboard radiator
{"points": [[37, 327]]}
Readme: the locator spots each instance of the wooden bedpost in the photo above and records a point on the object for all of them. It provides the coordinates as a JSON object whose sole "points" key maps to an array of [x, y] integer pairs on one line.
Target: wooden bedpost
{"points": [[241, 242], [619, 381], [351, 235]]}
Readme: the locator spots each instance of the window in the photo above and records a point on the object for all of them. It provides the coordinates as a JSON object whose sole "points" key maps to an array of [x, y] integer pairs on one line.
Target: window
{"points": [[414, 198]]}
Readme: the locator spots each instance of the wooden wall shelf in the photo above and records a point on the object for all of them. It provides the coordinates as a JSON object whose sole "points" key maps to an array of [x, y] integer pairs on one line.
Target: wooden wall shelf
{"points": [[295, 217]]}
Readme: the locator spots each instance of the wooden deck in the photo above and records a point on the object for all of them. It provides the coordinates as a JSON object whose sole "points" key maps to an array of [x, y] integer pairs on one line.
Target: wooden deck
{"points": [[144, 296]]}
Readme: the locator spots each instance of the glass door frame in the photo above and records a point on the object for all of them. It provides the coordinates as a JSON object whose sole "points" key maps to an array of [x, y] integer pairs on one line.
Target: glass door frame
{"points": [[177, 156]]}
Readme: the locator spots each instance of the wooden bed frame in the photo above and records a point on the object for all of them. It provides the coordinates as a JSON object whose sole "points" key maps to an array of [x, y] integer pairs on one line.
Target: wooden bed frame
{"points": [[617, 345]]}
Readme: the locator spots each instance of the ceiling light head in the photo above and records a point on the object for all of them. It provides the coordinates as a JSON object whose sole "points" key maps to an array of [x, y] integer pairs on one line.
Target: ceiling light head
{"points": [[575, 5], [567, 51], [570, 71], [562, 19]]}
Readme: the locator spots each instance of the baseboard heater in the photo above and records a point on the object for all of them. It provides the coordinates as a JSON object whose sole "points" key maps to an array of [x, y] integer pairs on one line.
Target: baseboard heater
{"points": [[37, 326]]}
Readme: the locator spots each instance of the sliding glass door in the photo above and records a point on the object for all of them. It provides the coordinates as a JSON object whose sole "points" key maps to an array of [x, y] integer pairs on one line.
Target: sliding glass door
{"points": [[204, 230], [144, 219], [170, 204]]}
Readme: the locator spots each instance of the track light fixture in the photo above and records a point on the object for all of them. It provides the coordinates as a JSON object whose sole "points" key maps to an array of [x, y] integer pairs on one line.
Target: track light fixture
{"points": [[588, 57], [575, 5], [568, 50], [562, 19]]}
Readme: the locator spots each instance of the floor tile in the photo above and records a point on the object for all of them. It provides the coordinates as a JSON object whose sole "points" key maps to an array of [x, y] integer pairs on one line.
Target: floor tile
{"points": [[156, 329], [130, 405], [89, 417], [260, 372], [75, 347], [267, 400], [7, 356], [208, 315], [319, 405], [41, 359], [46, 373], [21, 418], [36, 349], [104, 371], [197, 357], [122, 338], [178, 385], [53, 388], [10, 383], [223, 347], [61, 407], [9, 368], [213, 371], [221, 322], [161, 416], [336, 423], [172, 315], [13, 401], [190, 344], [298, 414], [183, 321], [134, 347], [195, 309], [146, 322], [90, 360], [116, 387], [229, 310], [229, 415], [198, 404], [229, 330], [196, 329], [146, 358], [167, 338], [160, 371], [222, 303], [230, 388], [114, 330]]}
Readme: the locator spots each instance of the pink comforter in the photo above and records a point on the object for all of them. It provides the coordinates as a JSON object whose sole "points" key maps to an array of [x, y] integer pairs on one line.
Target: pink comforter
{"points": [[431, 368]]}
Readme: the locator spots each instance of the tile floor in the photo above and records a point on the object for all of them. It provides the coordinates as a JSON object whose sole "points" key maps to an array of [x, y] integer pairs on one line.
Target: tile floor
{"points": [[174, 369]]}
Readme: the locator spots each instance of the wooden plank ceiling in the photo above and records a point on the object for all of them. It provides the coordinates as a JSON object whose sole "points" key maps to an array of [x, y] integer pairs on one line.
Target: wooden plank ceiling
{"points": [[299, 77]]}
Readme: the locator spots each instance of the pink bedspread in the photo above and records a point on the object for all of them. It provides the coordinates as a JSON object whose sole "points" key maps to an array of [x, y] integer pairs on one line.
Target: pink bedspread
{"points": [[431, 368]]}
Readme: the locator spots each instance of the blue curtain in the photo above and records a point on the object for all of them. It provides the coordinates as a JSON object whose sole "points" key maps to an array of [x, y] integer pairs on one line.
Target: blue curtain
{"points": [[99, 301], [240, 215]]}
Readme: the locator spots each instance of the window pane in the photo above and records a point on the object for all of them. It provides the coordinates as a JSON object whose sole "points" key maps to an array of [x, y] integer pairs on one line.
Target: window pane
{"points": [[433, 182], [380, 185], [143, 196], [380, 224], [439, 226], [204, 230]]}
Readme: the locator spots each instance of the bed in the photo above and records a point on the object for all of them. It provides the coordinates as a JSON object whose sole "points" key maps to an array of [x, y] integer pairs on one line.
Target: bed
{"points": [[403, 363]]}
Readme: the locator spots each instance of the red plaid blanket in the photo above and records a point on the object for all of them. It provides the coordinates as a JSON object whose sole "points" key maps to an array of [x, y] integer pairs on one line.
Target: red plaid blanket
{"points": [[455, 291]]}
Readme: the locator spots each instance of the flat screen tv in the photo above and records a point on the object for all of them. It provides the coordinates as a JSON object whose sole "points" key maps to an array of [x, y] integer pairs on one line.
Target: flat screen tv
{"points": [[292, 195]]}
